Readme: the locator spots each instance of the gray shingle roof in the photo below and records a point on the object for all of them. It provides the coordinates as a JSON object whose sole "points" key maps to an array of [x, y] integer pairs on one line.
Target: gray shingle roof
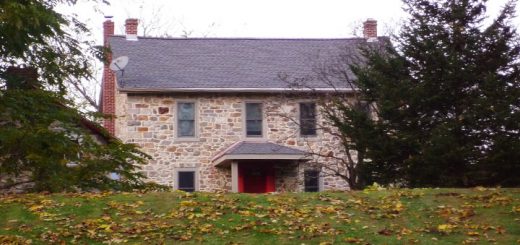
{"points": [[157, 63], [261, 148], [243, 150]]}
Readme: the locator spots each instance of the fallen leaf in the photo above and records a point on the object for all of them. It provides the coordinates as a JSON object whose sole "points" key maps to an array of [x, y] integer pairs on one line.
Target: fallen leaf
{"points": [[385, 232]]}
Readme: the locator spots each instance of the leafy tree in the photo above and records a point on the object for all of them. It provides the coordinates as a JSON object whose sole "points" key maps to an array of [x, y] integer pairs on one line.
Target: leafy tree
{"points": [[43, 136], [447, 98], [347, 118], [353, 120]]}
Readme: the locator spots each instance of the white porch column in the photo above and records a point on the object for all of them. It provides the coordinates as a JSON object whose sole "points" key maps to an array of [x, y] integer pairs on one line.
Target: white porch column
{"points": [[234, 176]]}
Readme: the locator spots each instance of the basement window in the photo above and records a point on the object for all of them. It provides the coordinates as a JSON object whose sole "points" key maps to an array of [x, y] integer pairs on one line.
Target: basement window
{"points": [[186, 180], [312, 180]]}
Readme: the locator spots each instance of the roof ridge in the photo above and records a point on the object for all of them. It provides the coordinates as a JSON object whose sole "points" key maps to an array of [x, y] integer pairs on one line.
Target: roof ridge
{"points": [[249, 38], [225, 150]]}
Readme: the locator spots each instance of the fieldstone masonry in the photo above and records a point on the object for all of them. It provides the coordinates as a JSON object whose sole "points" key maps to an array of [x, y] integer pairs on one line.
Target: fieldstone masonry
{"points": [[150, 121]]}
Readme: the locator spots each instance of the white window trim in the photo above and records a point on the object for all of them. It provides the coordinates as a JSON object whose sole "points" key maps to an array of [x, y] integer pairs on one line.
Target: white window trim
{"points": [[178, 138], [307, 137], [176, 176], [244, 121]]}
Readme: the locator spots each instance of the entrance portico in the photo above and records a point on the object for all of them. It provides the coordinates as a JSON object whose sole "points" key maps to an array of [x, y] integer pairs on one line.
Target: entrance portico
{"points": [[253, 164]]}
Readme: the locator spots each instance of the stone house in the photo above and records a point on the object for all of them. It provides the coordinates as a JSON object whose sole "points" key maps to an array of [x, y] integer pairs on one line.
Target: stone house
{"points": [[212, 112]]}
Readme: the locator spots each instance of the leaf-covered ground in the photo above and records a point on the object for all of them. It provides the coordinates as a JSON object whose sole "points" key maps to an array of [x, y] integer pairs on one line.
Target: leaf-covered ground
{"points": [[401, 216]]}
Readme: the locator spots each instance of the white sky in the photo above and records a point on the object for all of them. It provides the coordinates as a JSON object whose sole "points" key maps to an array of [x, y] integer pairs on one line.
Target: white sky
{"points": [[246, 18], [250, 18]]}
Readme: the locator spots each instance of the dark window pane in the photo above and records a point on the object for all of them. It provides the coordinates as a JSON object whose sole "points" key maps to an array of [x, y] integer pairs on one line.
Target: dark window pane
{"points": [[254, 111], [308, 119], [253, 119], [186, 111], [312, 183], [307, 127], [186, 181], [254, 128], [186, 128], [186, 119], [307, 110]]}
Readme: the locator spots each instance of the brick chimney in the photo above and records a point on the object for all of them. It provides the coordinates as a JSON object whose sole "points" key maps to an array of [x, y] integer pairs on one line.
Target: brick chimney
{"points": [[108, 90], [131, 29], [370, 30]]}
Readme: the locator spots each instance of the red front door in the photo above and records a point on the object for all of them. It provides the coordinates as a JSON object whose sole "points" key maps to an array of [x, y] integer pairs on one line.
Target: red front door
{"points": [[256, 177]]}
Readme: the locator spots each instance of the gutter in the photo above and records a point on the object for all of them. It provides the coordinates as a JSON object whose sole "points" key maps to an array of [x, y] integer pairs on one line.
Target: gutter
{"points": [[243, 90]]}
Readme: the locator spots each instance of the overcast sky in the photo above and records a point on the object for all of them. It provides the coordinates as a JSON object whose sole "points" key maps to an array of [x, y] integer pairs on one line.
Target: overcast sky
{"points": [[248, 18], [245, 18]]}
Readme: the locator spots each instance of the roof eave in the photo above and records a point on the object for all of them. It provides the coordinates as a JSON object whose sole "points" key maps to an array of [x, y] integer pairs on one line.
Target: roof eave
{"points": [[235, 90], [225, 159]]}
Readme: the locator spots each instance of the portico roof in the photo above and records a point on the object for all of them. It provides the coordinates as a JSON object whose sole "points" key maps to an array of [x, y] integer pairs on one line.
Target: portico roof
{"points": [[244, 150]]}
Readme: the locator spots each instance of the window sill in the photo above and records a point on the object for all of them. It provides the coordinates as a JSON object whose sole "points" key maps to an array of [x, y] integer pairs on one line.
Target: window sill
{"points": [[308, 137], [186, 139], [254, 138]]}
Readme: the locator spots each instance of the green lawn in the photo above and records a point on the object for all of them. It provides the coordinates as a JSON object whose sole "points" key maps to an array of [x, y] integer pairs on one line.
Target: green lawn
{"points": [[402, 216]]}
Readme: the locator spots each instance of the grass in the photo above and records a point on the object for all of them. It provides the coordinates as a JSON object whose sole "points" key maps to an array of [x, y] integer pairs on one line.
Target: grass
{"points": [[400, 216]]}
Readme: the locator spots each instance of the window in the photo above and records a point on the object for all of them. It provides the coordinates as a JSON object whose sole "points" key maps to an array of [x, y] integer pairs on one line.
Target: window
{"points": [[186, 181], [363, 106], [312, 180], [308, 119], [254, 119], [186, 119]]}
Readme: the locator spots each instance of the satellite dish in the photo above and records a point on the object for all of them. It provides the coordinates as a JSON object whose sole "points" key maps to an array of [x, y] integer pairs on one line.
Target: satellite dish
{"points": [[119, 64]]}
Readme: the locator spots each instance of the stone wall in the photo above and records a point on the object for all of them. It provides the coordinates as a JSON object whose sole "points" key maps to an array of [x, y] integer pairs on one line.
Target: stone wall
{"points": [[8, 180], [150, 121], [287, 178]]}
